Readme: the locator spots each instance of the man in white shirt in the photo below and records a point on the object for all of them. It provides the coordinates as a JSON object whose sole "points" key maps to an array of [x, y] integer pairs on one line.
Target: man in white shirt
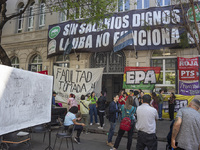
{"points": [[146, 125]]}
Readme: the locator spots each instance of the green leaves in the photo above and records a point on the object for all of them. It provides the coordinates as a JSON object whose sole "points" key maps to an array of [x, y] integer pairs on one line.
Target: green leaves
{"points": [[91, 10]]}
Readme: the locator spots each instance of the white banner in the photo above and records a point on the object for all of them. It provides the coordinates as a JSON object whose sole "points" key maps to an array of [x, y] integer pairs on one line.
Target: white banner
{"points": [[76, 81], [25, 99]]}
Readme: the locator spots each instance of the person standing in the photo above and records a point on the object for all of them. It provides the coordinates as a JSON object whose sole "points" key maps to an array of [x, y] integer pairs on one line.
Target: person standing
{"points": [[71, 101], [131, 92], [171, 102], [127, 110], [53, 99], [160, 105], [154, 100], [186, 128], [101, 103], [113, 115], [140, 98], [146, 125], [122, 99], [93, 108], [135, 99], [84, 109]]}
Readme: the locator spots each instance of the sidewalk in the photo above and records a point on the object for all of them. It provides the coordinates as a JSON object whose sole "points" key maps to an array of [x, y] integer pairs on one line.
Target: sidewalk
{"points": [[162, 129]]}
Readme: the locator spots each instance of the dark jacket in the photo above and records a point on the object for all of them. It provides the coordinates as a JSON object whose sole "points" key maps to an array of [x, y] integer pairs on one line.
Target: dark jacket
{"points": [[101, 103], [112, 112]]}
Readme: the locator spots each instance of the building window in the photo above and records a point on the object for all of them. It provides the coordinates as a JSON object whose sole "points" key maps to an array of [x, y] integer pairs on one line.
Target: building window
{"points": [[42, 14], [36, 64], [123, 5], [168, 73], [20, 20], [15, 62], [63, 16], [62, 61], [30, 17], [163, 2], [142, 4], [112, 62]]}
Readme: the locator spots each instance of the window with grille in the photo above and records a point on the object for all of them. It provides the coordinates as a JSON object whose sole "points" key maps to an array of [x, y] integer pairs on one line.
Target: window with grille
{"points": [[112, 62], [20, 20], [36, 64], [15, 62], [42, 14], [62, 61], [166, 59], [31, 17], [163, 2], [123, 5], [142, 4]]}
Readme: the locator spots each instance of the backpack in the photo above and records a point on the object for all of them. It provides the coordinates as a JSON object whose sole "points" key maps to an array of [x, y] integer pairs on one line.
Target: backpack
{"points": [[125, 124]]}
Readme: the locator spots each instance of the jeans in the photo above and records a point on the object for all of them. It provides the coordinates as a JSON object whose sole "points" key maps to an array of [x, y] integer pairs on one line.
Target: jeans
{"points": [[101, 118], [111, 131], [93, 110], [146, 140], [160, 106], [120, 135]]}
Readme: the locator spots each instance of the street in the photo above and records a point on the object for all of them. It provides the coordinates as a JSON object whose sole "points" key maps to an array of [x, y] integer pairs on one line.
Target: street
{"points": [[90, 141]]}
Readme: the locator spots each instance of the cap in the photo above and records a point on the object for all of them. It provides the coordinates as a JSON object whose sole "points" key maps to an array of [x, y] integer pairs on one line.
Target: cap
{"points": [[54, 92]]}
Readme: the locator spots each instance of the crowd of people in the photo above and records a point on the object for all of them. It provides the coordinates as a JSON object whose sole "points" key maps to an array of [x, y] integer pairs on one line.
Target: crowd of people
{"points": [[135, 110]]}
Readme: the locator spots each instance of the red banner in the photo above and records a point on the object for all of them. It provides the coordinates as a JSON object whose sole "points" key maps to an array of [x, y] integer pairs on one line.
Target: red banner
{"points": [[188, 74], [188, 68], [43, 72]]}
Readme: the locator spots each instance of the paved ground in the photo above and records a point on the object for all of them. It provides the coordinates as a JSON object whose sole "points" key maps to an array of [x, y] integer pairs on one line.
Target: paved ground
{"points": [[88, 142], [96, 139]]}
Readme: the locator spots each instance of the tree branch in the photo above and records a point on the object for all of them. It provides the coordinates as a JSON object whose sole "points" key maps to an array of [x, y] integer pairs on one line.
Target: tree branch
{"points": [[18, 14], [187, 26]]}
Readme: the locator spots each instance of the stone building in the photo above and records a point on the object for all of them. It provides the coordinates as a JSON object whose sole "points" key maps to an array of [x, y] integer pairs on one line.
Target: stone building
{"points": [[25, 41]]}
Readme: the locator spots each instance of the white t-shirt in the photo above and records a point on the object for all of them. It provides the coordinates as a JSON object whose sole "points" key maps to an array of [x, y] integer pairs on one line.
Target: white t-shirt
{"points": [[68, 119], [146, 118]]}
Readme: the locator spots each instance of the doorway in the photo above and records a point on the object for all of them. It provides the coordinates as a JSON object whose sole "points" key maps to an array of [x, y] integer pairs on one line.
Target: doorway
{"points": [[113, 63]]}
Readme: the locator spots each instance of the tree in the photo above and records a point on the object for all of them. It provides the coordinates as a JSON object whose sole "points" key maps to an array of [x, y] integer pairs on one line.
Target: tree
{"points": [[3, 19], [91, 10], [190, 13]]}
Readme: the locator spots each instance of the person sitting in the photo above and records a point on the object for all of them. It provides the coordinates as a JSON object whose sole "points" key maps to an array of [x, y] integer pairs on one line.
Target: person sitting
{"points": [[70, 119]]}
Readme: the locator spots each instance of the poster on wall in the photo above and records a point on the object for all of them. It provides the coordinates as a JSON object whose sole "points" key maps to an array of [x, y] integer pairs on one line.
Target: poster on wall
{"points": [[76, 81], [189, 74], [189, 88], [140, 77], [188, 68]]}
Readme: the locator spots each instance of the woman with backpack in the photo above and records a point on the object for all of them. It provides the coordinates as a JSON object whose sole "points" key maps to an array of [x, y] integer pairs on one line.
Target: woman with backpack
{"points": [[127, 123]]}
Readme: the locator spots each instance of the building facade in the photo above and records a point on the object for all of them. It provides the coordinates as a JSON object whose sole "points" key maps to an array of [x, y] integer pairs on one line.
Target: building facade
{"points": [[25, 41]]}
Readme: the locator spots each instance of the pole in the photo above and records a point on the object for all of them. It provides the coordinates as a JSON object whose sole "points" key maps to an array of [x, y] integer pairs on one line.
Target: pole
{"points": [[49, 128]]}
